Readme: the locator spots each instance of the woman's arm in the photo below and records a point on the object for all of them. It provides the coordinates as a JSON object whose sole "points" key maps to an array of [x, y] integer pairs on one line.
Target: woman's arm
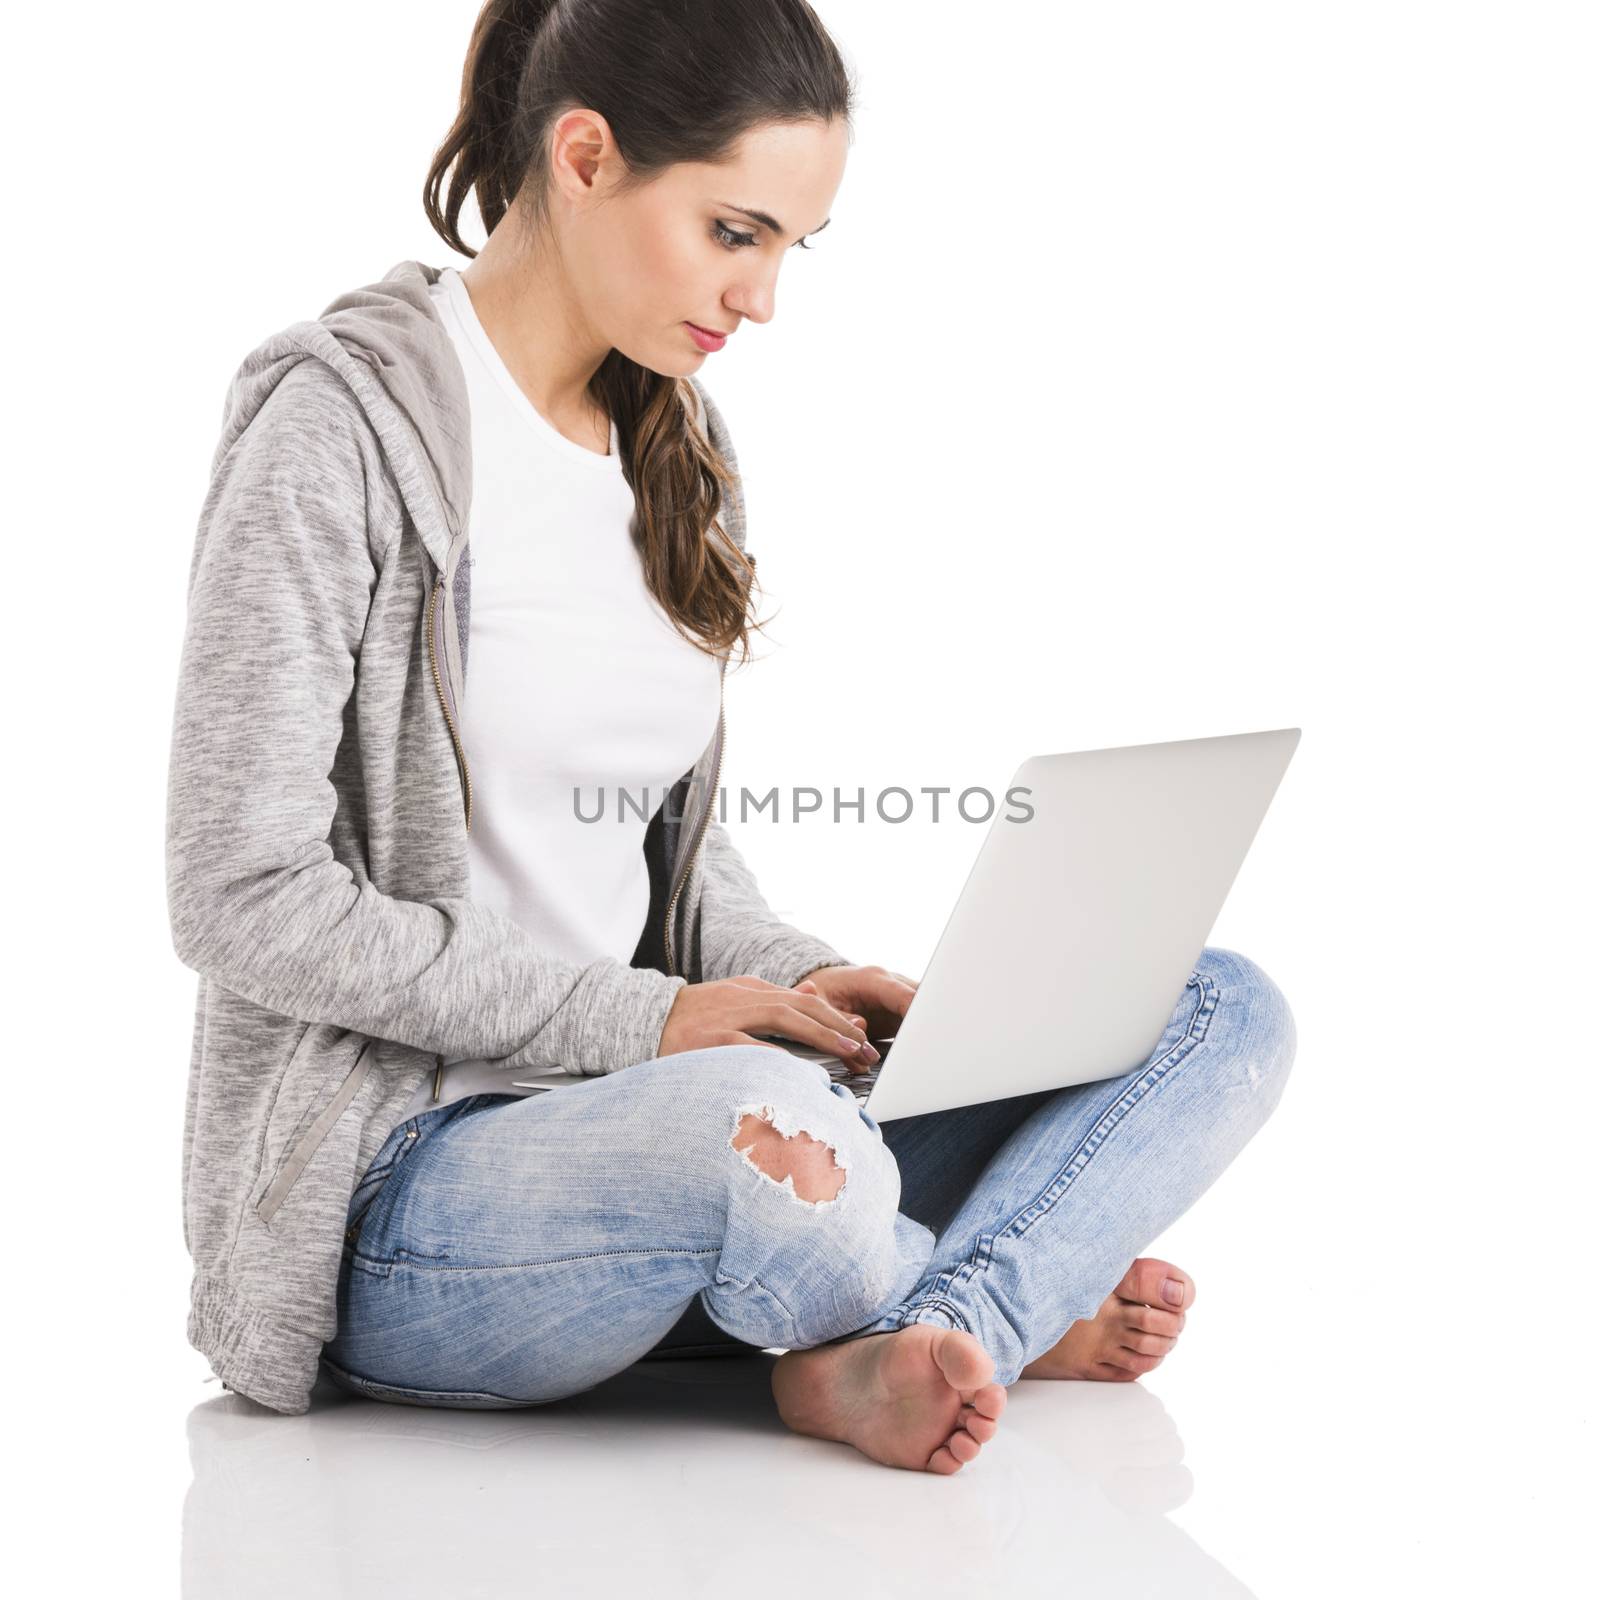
{"points": [[285, 564]]}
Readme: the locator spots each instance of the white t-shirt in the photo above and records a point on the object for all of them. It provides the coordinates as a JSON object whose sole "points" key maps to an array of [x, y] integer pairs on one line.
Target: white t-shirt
{"points": [[576, 680]]}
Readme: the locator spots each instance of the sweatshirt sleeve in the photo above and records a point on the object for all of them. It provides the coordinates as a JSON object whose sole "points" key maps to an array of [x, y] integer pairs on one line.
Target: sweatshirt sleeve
{"points": [[282, 577], [739, 933]]}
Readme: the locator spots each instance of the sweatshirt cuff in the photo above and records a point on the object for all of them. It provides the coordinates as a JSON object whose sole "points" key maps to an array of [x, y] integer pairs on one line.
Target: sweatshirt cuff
{"points": [[788, 975], [624, 1012]]}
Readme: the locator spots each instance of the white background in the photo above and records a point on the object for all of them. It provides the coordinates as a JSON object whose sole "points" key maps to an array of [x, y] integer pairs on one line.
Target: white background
{"points": [[1167, 370]]}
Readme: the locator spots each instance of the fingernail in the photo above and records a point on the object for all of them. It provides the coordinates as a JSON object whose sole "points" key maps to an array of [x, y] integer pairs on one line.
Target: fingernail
{"points": [[1172, 1292], [849, 1044], [869, 1054]]}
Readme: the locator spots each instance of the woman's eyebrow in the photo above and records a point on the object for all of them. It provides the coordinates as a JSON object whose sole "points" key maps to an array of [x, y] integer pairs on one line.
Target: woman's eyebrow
{"points": [[766, 219]]}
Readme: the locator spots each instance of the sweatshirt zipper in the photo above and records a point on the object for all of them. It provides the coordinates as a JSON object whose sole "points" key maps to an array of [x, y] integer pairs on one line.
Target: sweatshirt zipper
{"points": [[461, 758], [705, 820], [438, 683], [666, 931]]}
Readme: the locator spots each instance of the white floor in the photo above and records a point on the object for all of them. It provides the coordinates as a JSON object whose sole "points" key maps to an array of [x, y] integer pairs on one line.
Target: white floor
{"points": [[676, 1478], [1385, 1387], [1295, 1445]]}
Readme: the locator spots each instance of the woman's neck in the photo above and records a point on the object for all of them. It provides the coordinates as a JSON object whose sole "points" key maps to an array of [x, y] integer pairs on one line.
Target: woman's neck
{"points": [[531, 317]]}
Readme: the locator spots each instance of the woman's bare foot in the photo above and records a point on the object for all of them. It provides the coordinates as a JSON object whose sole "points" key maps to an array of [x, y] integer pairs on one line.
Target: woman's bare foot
{"points": [[919, 1397], [1130, 1335]]}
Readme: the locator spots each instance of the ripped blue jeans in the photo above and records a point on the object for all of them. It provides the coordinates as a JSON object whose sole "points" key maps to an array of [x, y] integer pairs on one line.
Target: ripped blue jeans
{"points": [[511, 1251]]}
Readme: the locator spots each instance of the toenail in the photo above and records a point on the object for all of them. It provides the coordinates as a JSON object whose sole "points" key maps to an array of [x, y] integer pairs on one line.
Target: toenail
{"points": [[1172, 1292]]}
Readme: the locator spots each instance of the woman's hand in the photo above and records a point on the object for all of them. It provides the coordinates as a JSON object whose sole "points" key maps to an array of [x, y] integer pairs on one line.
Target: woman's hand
{"points": [[732, 1009], [879, 997]]}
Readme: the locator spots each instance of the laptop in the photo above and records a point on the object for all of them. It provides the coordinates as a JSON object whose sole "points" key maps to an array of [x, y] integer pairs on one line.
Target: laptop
{"points": [[1092, 896], [1078, 927]]}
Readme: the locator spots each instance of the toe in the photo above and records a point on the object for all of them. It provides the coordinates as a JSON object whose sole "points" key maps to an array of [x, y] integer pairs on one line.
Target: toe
{"points": [[990, 1400], [962, 1445], [982, 1428], [942, 1461], [1148, 1344], [1138, 1318], [1157, 1283], [963, 1361]]}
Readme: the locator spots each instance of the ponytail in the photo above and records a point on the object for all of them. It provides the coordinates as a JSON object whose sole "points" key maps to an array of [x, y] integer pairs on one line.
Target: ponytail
{"points": [[675, 82], [482, 149]]}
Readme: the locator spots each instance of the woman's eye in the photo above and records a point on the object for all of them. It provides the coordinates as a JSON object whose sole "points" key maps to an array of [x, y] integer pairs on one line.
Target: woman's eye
{"points": [[738, 241]]}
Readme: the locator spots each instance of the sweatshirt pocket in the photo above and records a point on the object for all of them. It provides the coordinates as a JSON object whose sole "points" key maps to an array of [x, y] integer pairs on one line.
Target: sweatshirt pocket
{"points": [[322, 1079]]}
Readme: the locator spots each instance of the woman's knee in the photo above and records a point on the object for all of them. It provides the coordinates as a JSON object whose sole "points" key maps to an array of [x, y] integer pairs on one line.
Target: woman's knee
{"points": [[771, 1115], [806, 1163], [772, 1096], [1256, 1013], [811, 1175]]}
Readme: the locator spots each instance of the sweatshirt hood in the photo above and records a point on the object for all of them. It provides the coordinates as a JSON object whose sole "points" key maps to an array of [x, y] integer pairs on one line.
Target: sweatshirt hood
{"points": [[387, 343], [385, 340]]}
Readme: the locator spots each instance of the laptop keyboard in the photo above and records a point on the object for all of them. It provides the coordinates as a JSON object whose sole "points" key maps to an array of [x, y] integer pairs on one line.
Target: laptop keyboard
{"points": [[858, 1083]]}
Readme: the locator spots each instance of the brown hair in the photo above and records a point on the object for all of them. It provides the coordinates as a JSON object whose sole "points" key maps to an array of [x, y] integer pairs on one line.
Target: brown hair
{"points": [[677, 80]]}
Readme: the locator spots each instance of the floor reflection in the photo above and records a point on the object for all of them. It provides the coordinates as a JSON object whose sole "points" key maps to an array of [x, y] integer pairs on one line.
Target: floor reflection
{"points": [[671, 1478]]}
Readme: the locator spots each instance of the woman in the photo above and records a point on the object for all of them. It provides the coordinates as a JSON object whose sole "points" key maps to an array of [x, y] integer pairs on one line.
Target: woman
{"points": [[397, 913]]}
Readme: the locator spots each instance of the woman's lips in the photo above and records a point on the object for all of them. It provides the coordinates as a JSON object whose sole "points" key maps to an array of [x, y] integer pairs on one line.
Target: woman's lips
{"points": [[705, 338]]}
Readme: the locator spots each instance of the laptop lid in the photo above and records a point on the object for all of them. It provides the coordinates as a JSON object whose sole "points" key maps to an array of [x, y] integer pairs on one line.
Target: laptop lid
{"points": [[1078, 926]]}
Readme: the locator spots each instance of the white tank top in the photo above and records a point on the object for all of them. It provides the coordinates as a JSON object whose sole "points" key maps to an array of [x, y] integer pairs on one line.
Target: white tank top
{"points": [[575, 681]]}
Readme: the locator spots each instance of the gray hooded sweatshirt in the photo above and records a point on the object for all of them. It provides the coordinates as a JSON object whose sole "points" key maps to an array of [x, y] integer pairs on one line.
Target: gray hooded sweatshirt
{"points": [[319, 800]]}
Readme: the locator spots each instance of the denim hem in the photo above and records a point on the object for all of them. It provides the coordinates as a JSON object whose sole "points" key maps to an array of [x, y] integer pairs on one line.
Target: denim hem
{"points": [[932, 1310]]}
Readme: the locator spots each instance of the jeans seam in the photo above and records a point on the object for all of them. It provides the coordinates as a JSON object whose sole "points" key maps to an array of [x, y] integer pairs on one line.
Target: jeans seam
{"points": [[1094, 1141], [1116, 1114], [426, 1263], [781, 1304], [362, 1383]]}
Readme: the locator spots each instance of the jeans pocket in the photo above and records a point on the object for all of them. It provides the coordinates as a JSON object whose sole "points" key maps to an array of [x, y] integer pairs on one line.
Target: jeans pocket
{"points": [[402, 1142], [366, 1192]]}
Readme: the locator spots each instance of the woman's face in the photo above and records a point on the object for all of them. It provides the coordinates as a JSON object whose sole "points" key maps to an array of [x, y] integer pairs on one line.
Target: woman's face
{"points": [[685, 248]]}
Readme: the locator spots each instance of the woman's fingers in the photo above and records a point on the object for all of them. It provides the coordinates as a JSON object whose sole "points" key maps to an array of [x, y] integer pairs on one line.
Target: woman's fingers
{"points": [[799, 1013], [814, 1006], [806, 986], [730, 1010], [887, 994], [799, 1023], [814, 1012]]}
